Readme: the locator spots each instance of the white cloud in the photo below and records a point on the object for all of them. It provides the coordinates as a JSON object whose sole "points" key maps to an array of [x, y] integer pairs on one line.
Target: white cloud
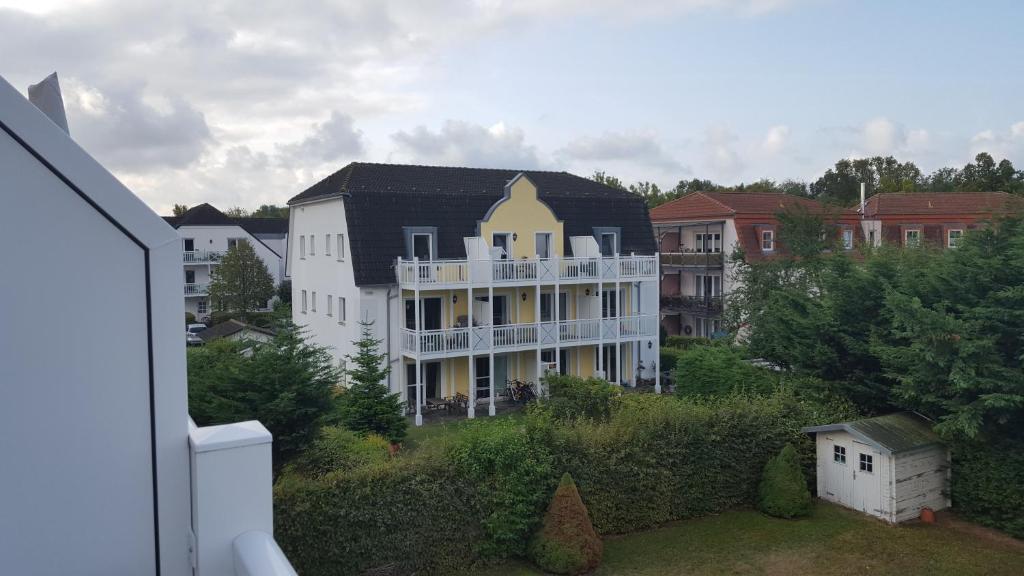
{"points": [[998, 143], [775, 140], [636, 147], [333, 140], [461, 143], [720, 153], [880, 136]]}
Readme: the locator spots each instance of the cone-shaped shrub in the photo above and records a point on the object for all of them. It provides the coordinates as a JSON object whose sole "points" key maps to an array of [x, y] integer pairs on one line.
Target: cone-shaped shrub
{"points": [[567, 542], [783, 492]]}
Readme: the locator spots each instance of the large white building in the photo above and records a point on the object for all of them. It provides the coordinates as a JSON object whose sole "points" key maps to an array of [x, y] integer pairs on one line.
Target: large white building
{"points": [[459, 268], [206, 235], [103, 472]]}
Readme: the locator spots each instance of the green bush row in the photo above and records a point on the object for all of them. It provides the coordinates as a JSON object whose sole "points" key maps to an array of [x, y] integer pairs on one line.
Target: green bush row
{"points": [[480, 497], [987, 484]]}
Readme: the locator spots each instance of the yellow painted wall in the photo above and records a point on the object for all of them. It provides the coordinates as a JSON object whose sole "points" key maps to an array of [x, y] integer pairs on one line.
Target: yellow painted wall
{"points": [[522, 213]]}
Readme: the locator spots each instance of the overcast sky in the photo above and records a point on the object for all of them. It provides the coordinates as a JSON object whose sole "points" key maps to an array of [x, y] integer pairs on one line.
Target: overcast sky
{"points": [[240, 103]]}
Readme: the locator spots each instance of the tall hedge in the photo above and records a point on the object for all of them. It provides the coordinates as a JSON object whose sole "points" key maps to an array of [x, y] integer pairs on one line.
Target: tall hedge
{"points": [[988, 484], [655, 459]]}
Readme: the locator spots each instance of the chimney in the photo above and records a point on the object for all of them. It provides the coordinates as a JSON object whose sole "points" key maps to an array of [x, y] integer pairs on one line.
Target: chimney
{"points": [[46, 96], [861, 199]]}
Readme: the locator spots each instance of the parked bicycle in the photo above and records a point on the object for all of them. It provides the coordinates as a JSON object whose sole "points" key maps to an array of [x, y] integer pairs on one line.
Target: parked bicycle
{"points": [[521, 392]]}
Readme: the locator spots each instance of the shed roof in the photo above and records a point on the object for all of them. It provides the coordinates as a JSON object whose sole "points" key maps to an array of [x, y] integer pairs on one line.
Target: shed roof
{"points": [[228, 328], [899, 432]]}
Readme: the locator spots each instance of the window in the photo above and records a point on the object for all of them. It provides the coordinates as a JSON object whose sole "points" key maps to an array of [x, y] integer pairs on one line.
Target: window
{"points": [[190, 276], [201, 307], [866, 464], [502, 240], [327, 245], [312, 245], [232, 242], [423, 246], [302, 247], [330, 305], [543, 245], [847, 239], [341, 246], [912, 238], [839, 454], [304, 301], [767, 240], [953, 237], [342, 313], [871, 238], [708, 242], [190, 245], [313, 307], [609, 304], [609, 244]]}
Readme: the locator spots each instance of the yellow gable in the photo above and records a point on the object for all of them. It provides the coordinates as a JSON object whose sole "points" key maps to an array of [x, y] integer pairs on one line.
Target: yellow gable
{"points": [[520, 212]]}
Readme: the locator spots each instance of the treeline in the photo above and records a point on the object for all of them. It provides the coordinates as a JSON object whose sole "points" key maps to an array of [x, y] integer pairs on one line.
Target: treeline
{"points": [[264, 211], [841, 184]]}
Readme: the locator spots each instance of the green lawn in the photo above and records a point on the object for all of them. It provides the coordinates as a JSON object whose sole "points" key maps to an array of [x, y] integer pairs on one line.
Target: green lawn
{"points": [[833, 541], [440, 432]]}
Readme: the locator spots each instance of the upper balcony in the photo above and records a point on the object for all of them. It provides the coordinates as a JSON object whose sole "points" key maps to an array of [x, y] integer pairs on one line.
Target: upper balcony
{"points": [[202, 256], [692, 259], [708, 306], [197, 289], [429, 274]]}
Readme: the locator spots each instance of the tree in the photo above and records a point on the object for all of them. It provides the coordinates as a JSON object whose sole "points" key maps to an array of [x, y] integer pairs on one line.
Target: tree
{"points": [[567, 542], [236, 212], [180, 209], [241, 282], [286, 384], [600, 177], [270, 211], [803, 234], [367, 405], [783, 490]]}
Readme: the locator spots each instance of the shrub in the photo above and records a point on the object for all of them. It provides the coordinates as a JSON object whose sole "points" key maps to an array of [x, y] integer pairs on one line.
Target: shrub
{"points": [[718, 370], [190, 318], [669, 358], [783, 492], [567, 542], [573, 397], [339, 449], [686, 342], [988, 484]]}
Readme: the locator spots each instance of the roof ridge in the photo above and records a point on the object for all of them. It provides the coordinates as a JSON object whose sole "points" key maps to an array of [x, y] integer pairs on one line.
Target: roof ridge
{"points": [[705, 194], [492, 169]]}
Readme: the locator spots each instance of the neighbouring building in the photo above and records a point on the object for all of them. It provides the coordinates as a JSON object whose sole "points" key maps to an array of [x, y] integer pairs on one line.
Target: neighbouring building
{"points": [[206, 235], [473, 277], [933, 218], [236, 330], [889, 466], [103, 471], [697, 235]]}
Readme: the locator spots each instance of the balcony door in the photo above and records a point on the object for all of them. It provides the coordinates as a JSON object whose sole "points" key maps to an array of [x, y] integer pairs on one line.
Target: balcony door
{"points": [[190, 245], [709, 286], [423, 246], [431, 382], [430, 314], [502, 240], [547, 312]]}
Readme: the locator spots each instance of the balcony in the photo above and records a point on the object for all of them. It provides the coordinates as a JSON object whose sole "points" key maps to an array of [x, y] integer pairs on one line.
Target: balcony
{"points": [[462, 273], [202, 256], [196, 289], [515, 337], [693, 259], [700, 305]]}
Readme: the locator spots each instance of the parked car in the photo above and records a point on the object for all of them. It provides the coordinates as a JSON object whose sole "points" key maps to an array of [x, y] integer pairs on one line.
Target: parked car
{"points": [[192, 334]]}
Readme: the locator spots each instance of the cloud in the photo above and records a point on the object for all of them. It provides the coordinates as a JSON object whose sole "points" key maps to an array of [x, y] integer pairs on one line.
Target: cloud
{"points": [[461, 143], [635, 147], [775, 140], [1000, 144], [332, 140], [720, 153]]}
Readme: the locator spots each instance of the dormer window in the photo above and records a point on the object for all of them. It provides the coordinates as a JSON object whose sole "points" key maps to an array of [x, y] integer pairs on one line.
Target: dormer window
{"points": [[767, 240], [420, 242], [422, 246]]}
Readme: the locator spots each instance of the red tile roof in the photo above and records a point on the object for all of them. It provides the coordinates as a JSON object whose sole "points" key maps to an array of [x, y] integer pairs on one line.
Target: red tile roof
{"points": [[697, 205], [939, 203]]}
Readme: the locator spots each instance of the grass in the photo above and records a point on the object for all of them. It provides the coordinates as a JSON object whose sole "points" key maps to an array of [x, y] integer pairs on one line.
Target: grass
{"points": [[834, 541], [443, 431]]}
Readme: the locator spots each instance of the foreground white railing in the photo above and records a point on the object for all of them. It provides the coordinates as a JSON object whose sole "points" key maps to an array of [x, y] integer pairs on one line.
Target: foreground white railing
{"points": [[232, 502], [202, 256], [196, 289], [524, 270], [512, 336]]}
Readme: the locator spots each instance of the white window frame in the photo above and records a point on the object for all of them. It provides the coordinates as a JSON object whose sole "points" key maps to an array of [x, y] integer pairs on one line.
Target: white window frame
{"points": [[865, 463], [430, 243], [700, 240], [949, 237], [839, 454], [304, 302], [313, 302], [615, 244], [917, 237], [312, 244], [548, 239], [330, 305], [848, 238], [235, 241], [302, 247], [767, 240], [341, 246], [509, 241], [342, 312], [327, 244], [201, 307]]}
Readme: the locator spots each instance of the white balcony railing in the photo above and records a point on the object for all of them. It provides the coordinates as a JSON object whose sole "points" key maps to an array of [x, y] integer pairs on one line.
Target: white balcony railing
{"points": [[432, 273], [202, 256], [454, 341], [196, 289]]}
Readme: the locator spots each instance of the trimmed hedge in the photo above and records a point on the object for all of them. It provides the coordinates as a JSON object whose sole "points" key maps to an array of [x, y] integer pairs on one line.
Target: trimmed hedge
{"points": [[573, 398], [686, 342], [719, 370], [655, 459], [987, 484]]}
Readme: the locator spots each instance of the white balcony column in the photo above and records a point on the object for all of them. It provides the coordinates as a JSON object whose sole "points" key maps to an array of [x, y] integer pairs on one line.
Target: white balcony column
{"points": [[417, 324], [490, 403], [618, 321], [471, 387], [657, 326], [600, 327], [537, 327], [558, 321]]}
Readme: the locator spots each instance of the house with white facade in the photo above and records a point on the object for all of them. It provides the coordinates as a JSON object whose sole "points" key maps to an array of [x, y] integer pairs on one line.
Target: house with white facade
{"points": [[475, 277], [206, 235], [103, 471]]}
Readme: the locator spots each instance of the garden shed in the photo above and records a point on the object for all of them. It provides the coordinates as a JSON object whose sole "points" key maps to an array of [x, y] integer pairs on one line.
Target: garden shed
{"points": [[889, 466]]}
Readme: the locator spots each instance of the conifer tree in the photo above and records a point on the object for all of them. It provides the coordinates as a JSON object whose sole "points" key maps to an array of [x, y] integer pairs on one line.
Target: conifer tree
{"points": [[367, 406]]}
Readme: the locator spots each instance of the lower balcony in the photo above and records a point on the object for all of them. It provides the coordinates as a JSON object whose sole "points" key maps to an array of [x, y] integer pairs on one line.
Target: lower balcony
{"points": [[511, 337], [197, 289], [705, 305]]}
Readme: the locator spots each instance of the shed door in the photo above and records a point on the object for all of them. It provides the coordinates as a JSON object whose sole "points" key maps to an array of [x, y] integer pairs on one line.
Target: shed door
{"points": [[866, 465], [838, 470]]}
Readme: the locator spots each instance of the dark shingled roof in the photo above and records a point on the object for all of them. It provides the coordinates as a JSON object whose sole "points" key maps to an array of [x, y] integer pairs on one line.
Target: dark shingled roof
{"points": [[228, 328], [201, 215], [256, 226], [381, 199], [898, 432]]}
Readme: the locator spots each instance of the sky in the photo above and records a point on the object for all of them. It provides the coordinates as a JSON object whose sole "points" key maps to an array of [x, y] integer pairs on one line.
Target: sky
{"points": [[243, 103]]}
